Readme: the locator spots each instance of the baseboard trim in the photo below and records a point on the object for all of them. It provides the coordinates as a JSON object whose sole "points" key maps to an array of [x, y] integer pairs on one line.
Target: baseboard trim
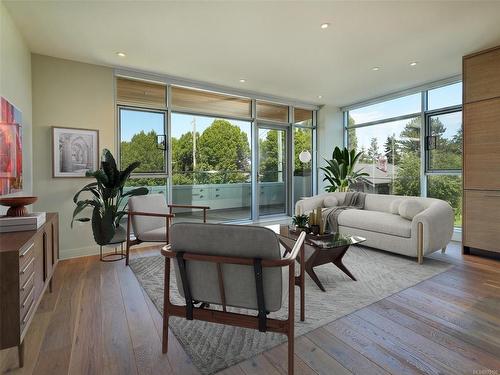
{"points": [[79, 252]]}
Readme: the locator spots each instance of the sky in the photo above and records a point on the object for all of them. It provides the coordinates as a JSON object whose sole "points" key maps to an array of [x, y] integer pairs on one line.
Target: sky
{"points": [[438, 98]]}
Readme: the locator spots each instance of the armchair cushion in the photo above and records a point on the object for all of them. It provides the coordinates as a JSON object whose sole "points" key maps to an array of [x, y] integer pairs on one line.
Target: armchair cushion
{"points": [[153, 203], [239, 280]]}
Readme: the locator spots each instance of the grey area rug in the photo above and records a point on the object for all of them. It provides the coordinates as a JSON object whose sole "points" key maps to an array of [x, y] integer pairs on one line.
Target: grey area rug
{"points": [[213, 347]]}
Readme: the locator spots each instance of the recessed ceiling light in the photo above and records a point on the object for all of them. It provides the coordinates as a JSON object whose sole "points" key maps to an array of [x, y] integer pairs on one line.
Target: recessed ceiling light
{"points": [[325, 25], [121, 54], [320, 96], [375, 68], [413, 63], [243, 80]]}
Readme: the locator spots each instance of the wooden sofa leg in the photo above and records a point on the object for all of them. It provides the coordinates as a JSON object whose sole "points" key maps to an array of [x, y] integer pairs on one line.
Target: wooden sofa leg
{"points": [[443, 250], [420, 243]]}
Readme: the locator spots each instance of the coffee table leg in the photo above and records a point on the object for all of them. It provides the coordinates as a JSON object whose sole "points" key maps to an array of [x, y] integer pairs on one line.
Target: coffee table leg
{"points": [[343, 268], [310, 272]]}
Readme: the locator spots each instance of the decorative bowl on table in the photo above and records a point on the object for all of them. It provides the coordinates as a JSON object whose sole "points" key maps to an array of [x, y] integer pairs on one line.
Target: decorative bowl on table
{"points": [[17, 205]]}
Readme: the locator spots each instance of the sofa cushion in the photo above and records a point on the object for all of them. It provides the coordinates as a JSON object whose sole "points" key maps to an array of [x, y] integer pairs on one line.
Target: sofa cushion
{"points": [[376, 221], [330, 201], [409, 208], [394, 206]]}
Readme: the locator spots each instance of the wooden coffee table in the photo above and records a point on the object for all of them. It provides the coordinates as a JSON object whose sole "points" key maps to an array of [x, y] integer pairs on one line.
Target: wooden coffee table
{"points": [[319, 250]]}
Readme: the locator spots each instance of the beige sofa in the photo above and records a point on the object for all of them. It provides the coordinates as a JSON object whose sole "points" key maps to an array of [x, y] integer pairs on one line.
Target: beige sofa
{"points": [[411, 226]]}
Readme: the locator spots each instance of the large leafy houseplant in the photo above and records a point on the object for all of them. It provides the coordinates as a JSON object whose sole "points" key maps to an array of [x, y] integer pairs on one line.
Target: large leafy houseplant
{"points": [[107, 198], [340, 172]]}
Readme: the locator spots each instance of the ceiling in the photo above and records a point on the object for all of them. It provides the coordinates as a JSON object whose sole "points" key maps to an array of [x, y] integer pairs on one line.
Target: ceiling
{"points": [[278, 47]]}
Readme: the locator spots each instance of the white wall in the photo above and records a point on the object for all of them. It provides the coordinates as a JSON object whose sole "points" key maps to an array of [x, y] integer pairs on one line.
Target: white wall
{"points": [[330, 134], [15, 86]]}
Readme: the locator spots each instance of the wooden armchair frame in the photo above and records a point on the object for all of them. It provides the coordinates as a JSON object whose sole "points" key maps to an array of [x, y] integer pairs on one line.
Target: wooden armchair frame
{"points": [[236, 319], [168, 220]]}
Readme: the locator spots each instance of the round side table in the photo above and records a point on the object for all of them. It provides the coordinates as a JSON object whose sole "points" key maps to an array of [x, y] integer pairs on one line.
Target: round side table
{"points": [[116, 242]]}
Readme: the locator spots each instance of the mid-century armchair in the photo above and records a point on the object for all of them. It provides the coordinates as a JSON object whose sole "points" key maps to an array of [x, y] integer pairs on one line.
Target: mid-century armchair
{"points": [[150, 218], [233, 266]]}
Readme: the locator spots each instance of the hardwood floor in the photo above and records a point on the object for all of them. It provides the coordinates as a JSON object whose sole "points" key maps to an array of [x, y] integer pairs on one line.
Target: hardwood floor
{"points": [[98, 320]]}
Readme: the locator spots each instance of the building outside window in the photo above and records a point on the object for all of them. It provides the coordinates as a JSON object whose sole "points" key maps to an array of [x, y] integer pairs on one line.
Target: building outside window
{"points": [[412, 145]]}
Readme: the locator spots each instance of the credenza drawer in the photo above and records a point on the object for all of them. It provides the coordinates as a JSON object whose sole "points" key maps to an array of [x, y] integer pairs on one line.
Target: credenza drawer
{"points": [[26, 254], [26, 271], [482, 219], [26, 287]]}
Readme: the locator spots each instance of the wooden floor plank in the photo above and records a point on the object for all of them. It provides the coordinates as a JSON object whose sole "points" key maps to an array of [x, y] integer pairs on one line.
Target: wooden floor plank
{"points": [[451, 343], [344, 354], [278, 356], [146, 343], [317, 359], [118, 353], [55, 354], [86, 353]]}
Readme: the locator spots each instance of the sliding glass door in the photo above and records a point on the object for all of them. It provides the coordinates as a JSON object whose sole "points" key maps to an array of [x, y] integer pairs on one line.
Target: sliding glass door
{"points": [[272, 170]]}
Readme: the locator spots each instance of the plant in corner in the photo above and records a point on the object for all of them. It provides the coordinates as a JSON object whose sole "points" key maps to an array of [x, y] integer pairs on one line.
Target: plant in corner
{"points": [[107, 197], [340, 171]]}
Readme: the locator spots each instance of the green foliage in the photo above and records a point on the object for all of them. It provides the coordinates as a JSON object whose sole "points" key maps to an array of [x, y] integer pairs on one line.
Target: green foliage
{"points": [[269, 156], [300, 221], [143, 147], [302, 141], [340, 171], [107, 196]]}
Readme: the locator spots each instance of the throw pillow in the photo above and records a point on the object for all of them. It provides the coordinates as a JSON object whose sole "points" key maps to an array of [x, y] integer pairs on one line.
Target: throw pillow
{"points": [[409, 208], [330, 202], [394, 206]]}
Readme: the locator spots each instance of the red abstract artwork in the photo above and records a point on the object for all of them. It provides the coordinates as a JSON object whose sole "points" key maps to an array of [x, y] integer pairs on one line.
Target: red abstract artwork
{"points": [[11, 159]]}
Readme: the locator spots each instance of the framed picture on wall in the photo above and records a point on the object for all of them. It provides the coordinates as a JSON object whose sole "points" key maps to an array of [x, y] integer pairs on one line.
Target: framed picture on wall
{"points": [[74, 151], [11, 154]]}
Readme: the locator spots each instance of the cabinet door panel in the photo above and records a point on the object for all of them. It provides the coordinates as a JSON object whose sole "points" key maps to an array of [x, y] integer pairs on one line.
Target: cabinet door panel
{"points": [[39, 264], [482, 76], [482, 145], [482, 220]]}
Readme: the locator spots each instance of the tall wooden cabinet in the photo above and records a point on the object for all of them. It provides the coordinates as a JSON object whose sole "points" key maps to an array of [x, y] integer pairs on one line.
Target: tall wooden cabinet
{"points": [[27, 262], [481, 169]]}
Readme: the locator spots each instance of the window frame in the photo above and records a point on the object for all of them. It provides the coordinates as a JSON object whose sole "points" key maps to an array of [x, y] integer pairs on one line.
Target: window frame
{"points": [[164, 174], [428, 133]]}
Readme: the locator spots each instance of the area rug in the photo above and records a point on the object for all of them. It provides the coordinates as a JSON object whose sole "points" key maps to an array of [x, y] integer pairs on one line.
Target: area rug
{"points": [[213, 347]]}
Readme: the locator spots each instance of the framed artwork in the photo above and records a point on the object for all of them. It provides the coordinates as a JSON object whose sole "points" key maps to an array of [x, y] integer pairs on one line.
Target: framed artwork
{"points": [[11, 152], [74, 151]]}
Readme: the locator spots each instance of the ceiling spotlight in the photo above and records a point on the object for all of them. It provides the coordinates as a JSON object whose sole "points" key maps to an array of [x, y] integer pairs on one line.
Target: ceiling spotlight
{"points": [[325, 25], [320, 96], [413, 63], [375, 68], [243, 80], [121, 54]]}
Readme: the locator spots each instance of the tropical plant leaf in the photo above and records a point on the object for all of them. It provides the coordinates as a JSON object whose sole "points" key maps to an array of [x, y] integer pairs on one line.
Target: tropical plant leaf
{"points": [[136, 191], [87, 187]]}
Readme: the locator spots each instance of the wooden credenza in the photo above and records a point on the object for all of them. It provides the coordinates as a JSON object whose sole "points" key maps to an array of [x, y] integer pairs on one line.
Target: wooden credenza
{"points": [[481, 169], [27, 263]]}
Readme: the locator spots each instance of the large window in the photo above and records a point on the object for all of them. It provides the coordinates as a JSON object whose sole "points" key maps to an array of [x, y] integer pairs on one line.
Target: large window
{"points": [[205, 148], [390, 135]]}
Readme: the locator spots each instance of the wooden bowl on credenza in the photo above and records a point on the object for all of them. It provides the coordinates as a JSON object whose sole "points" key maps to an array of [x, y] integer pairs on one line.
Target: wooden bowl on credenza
{"points": [[17, 205]]}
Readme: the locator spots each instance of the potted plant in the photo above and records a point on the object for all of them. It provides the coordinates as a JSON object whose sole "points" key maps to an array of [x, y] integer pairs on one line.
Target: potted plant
{"points": [[340, 171], [107, 199], [300, 222]]}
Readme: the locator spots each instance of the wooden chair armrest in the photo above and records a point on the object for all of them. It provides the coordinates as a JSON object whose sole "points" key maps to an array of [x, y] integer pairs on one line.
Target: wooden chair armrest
{"points": [[138, 213], [188, 206], [204, 208], [299, 244]]}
